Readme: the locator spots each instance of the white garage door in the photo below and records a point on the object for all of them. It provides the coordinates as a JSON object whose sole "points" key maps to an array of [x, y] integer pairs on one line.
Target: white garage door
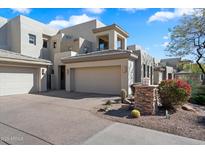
{"points": [[103, 80], [17, 80]]}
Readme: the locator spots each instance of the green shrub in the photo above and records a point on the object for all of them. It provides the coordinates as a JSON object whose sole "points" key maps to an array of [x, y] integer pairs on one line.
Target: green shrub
{"points": [[135, 113], [174, 93], [200, 99], [198, 95]]}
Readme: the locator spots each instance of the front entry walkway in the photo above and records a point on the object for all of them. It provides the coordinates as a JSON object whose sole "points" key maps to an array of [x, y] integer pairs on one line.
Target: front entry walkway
{"points": [[123, 134]]}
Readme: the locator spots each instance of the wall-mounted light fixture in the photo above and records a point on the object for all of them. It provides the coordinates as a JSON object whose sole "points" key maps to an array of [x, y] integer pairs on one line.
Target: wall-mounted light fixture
{"points": [[43, 71]]}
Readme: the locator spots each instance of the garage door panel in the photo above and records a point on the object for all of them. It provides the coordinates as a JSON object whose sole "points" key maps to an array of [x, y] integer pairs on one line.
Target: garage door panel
{"points": [[17, 80], [105, 80]]}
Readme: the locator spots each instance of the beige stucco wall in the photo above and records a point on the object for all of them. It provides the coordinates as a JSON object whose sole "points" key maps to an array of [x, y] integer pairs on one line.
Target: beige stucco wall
{"points": [[3, 37], [42, 78], [169, 70], [30, 26], [77, 44], [131, 74], [15, 36], [157, 77], [10, 35], [84, 30], [3, 33], [56, 38], [126, 78]]}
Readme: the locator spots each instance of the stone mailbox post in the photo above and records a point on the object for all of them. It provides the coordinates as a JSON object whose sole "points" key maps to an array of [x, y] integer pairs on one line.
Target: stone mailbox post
{"points": [[146, 99]]}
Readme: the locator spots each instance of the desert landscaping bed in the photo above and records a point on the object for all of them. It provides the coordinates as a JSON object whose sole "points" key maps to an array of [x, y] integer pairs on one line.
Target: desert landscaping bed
{"points": [[184, 123]]}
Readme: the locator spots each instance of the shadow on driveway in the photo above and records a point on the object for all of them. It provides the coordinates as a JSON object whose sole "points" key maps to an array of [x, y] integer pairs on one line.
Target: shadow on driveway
{"points": [[73, 95]]}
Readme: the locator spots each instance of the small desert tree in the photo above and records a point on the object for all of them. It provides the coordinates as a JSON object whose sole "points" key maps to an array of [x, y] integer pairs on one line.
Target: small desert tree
{"points": [[188, 38]]}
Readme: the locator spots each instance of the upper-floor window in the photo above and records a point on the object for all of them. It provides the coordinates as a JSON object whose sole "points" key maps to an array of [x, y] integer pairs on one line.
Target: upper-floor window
{"points": [[119, 43], [148, 71], [103, 42], [32, 39], [54, 44], [45, 43], [144, 70]]}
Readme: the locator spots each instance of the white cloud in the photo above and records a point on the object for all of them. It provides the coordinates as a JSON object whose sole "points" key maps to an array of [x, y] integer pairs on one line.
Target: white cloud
{"points": [[73, 20], [166, 37], [132, 10], [165, 44], [95, 10], [147, 48], [21, 10], [167, 15]]}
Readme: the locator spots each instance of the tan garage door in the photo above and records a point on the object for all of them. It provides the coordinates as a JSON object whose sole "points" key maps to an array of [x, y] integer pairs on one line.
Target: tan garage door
{"points": [[103, 80], [17, 80]]}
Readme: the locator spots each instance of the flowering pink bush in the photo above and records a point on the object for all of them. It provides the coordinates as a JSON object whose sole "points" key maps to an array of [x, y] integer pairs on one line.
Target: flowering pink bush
{"points": [[174, 93]]}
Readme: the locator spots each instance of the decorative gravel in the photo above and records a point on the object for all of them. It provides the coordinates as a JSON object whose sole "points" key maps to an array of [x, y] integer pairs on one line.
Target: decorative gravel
{"points": [[183, 123]]}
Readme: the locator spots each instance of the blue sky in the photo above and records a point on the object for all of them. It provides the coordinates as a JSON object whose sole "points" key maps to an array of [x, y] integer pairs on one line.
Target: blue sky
{"points": [[146, 27]]}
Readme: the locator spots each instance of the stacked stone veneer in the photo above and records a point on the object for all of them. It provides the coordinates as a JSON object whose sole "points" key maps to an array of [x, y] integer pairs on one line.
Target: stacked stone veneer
{"points": [[146, 99]]}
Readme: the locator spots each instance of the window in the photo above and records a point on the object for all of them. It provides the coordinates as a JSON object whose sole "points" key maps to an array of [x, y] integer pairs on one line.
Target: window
{"points": [[54, 44], [103, 42], [148, 71], [169, 76], [102, 46], [45, 43], [32, 39], [202, 77], [144, 70], [120, 43]]}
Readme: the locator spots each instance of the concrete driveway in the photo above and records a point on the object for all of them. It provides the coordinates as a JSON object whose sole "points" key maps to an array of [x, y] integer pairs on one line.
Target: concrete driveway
{"points": [[58, 117], [54, 117]]}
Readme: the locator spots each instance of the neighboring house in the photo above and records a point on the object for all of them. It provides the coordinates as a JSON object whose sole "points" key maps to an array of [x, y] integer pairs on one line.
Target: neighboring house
{"points": [[172, 62], [163, 73], [179, 69], [190, 71], [189, 76], [144, 65], [88, 57]]}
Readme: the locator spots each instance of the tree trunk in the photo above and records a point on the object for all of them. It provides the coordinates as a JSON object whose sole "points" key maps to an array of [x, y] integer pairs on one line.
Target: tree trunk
{"points": [[200, 66], [203, 79]]}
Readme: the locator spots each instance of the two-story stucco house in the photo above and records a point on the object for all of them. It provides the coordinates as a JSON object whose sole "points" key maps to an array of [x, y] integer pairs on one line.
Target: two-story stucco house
{"points": [[90, 57]]}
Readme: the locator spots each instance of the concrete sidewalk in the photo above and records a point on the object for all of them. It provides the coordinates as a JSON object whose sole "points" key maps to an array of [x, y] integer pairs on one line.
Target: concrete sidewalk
{"points": [[126, 134]]}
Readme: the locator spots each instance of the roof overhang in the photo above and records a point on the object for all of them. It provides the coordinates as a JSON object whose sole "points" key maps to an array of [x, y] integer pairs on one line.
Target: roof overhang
{"points": [[100, 57], [20, 61], [111, 27], [17, 58]]}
